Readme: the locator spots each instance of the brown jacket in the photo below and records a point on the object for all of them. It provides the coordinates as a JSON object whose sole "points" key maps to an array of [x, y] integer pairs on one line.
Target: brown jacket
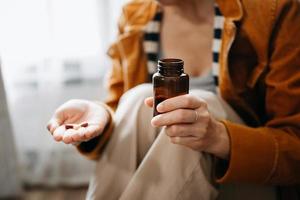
{"points": [[259, 77]]}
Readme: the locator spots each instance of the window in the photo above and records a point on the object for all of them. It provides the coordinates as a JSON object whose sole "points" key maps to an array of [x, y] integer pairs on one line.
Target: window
{"points": [[52, 51]]}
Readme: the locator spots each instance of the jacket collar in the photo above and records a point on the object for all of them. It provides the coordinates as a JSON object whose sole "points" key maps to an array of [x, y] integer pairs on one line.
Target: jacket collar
{"points": [[231, 9]]}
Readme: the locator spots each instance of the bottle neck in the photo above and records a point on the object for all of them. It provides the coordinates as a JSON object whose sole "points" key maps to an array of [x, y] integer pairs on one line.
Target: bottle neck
{"points": [[170, 67], [170, 71]]}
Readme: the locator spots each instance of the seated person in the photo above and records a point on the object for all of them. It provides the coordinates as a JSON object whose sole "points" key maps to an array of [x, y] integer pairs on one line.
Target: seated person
{"points": [[239, 125]]}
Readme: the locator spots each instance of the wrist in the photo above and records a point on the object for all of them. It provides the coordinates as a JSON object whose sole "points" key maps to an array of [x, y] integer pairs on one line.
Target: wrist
{"points": [[108, 111], [221, 143]]}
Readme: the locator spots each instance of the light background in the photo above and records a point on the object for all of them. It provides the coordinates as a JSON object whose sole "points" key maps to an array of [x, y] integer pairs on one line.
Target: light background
{"points": [[52, 51]]}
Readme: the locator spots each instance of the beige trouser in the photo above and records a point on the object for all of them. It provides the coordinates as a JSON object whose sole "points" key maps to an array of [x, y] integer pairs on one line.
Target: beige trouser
{"points": [[139, 162]]}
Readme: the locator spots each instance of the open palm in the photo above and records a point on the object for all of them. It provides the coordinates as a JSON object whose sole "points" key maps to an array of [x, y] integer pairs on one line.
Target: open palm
{"points": [[78, 121]]}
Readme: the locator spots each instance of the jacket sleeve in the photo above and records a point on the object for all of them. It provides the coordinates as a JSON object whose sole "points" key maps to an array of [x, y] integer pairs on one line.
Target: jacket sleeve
{"points": [[115, 87], [271, 154]]}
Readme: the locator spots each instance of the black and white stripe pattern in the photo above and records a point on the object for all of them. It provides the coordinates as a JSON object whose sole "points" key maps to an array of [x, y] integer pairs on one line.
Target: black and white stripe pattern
{"points": [[218, 29], [152, 42]]}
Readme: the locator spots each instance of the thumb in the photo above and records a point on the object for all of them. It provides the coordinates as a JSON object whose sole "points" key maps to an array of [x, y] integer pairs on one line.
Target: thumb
{"points": [[54, 123], [149, 101]]}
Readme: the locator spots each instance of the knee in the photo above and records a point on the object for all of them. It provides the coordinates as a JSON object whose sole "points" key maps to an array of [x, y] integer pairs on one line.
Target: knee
{"points": [[204, 94], [138, 93], [209, 97]]}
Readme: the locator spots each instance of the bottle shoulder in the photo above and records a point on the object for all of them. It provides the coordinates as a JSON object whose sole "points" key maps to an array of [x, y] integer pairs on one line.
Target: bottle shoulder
{"points": [[157, 74]]}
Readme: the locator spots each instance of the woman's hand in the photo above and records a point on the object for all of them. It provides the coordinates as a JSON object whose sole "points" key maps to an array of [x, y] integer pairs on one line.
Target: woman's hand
{"points": [[189, 123], [77, 121]]}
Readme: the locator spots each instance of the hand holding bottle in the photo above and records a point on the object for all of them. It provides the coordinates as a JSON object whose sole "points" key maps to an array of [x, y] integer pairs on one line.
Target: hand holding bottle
{"points": [[189, 123]]}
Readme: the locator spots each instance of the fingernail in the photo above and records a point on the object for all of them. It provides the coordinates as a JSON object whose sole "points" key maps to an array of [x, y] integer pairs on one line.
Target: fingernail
{"points": [[49, 127], [160, 107], [154, 121]]}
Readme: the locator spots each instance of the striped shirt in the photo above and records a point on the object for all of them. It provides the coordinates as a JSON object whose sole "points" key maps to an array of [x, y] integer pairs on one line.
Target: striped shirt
{"points": [[151, 42]]}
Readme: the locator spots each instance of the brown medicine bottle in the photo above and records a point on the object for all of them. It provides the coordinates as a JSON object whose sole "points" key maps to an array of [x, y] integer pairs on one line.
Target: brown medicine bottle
{"points": [[169, 81]]}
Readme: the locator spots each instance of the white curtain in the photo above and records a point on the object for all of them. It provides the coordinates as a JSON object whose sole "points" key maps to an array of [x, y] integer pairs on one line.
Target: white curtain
{"points": [[52, 51]]}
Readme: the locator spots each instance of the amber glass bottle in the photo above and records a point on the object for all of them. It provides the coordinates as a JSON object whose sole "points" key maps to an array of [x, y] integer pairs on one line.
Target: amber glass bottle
{"points": [[169, 81]]}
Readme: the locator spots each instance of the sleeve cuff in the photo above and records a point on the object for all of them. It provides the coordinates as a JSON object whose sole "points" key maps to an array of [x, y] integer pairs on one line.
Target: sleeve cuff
{"points": [[252, 157]]}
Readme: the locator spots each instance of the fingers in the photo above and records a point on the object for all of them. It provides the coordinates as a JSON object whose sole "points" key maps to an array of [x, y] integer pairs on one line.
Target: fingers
{"points": [[178, 116], [53, 124], [58, 133], [149, 101], [191, 142], [184, 130], [74, 135], [79, 135], [92, 131], [70, 111], [67, 137], [180, 102], [56, 121], [183, 140], [181, 130], [86, 133]]}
